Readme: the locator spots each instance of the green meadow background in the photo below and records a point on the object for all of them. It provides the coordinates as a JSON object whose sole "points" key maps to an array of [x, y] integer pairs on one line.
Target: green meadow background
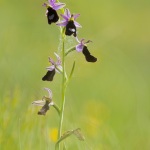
{"points": [[109, 100]]}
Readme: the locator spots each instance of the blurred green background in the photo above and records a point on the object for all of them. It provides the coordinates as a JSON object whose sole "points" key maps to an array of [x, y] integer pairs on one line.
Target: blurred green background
{"points": [[109, 100]]}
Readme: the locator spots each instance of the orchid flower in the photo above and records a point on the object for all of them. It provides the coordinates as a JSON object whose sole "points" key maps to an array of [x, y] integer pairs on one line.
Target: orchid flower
{"points": [[46, 102], [70, 23], [51, 13], [82, 47], [55, 67]]}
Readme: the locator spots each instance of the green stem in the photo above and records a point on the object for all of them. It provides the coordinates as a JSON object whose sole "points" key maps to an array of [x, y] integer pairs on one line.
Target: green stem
{"points": [[70, 50], [61, 72], [63, 91], [57, 108]]}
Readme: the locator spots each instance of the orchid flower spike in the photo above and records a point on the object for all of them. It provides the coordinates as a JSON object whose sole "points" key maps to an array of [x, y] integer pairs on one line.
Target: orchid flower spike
{"points": [[55, 67], [51, 13], [82, 47], [46, 102], [70, 23]]}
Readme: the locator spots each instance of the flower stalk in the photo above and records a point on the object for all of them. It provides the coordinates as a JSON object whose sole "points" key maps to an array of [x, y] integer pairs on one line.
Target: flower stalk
{"points": [[57, 108]]}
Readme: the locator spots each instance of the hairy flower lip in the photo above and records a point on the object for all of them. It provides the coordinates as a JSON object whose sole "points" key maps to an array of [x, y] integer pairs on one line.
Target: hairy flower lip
{"points": [[88, 56], [82, 47], [51, 11]]}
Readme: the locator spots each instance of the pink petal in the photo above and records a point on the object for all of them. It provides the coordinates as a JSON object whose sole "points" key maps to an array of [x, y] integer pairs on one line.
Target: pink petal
{"points": [[62, 23], [51, 61], [67, 13], [38, 103], [79, 47], [51, 2], [65, 17], [49, 92], [57, 6], [77, 24], [51, 68], [76, 16]]}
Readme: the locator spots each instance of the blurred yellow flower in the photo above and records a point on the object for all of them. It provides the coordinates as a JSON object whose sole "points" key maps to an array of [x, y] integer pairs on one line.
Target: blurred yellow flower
{"points": [[53, 134]]}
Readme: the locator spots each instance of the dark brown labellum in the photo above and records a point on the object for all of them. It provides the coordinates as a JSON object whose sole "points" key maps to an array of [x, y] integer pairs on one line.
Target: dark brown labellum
{"points": [[44, 109], [49, 76], [52, 15], [70, 29], [88, 56]]}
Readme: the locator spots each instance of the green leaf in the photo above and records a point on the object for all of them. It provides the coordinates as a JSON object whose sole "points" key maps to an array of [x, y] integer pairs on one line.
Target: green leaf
{"points": [[79, 135], [70, 50], [76, 132], [72, 70]]}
